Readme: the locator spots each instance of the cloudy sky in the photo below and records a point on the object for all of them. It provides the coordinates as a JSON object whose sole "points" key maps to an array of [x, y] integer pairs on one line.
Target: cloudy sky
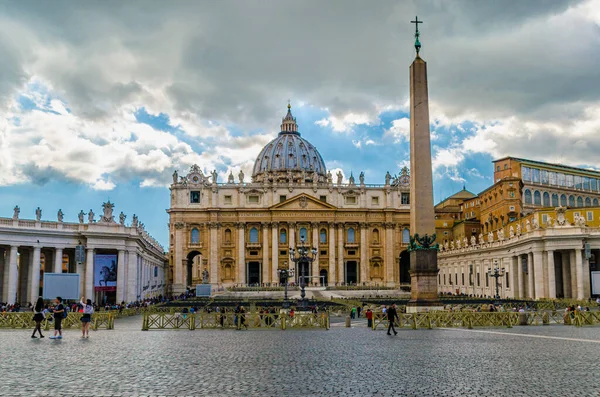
{"points": [[103, 100]]}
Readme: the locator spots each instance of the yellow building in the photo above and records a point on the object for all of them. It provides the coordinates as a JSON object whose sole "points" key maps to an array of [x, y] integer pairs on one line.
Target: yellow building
{"points": [[239, 232]]}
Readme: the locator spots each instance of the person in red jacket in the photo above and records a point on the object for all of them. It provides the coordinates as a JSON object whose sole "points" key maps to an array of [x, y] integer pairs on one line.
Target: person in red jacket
{"points": [[369, 315]]}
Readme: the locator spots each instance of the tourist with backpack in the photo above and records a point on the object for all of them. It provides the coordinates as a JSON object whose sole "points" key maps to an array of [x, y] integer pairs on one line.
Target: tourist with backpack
{"points": [[58, 314]]}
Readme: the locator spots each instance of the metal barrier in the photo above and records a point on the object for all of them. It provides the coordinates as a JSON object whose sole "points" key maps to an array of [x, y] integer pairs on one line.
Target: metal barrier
{"points": [[24, 320], [229, 320], [443, 319]]}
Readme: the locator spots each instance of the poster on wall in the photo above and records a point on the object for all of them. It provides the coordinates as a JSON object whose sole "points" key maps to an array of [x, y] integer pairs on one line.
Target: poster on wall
{"points": [[105, 272]]}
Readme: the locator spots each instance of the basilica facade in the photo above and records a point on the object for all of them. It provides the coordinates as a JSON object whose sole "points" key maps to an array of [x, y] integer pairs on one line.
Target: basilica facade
{"points": [[240, 232]]}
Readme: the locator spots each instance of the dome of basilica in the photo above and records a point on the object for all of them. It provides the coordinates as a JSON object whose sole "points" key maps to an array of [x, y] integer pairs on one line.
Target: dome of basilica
{"points": [[289, 156]]}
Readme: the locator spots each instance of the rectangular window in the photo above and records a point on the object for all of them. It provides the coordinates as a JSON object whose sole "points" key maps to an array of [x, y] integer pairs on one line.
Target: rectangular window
{"points": [[194, 197], [228, 200], [594, 184], [471, 279], [586, 183], [552, 178], [478, 280], [590, 216], [535, 175], [544, 177], [253, 199], [351, 252], [578, 182], [253, 253], [444, 279], [405, 198], [375, 200], [463, 278], [544, 218], [526, 173], [455, 278], [350, 200], [282, 198], [561, 179], [507, 280], [283, 253], [487, 280], [323, 252], [323, 198], [570, 181]]}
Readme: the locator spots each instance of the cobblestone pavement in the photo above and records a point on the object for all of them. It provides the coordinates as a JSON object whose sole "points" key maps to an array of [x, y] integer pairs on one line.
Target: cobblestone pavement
{"points": [[522, 361]]}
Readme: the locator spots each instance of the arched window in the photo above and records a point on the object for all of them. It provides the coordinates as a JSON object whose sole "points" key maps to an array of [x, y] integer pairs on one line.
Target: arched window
{"points": [[528, 196], [595, 202], [588, 202], [571, 201], [555, 200], [254, 235], [546, 199], [405, 236], [537, 198], [563, 200], [282, 236], [323, 236], [351, 237], [303, 234], [227, 235], [376, 236], [195, 236], [579, 201]]}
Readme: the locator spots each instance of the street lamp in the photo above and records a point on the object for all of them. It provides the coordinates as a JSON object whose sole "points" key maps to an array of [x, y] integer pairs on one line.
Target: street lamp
{"points": [[284, 275], [496, 272], [305, 257]]}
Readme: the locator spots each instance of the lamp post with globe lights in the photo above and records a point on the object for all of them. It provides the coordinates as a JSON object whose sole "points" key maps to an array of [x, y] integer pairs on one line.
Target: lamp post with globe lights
{"points": [[496, 272], [305, 256]]}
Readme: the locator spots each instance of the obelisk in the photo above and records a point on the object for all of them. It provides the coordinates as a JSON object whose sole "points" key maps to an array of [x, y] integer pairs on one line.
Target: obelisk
{"points": [[422, 248]]}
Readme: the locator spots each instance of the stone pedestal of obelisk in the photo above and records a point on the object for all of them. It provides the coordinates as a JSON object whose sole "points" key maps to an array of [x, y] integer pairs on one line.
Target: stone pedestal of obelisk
{"points": [[423, 257]]}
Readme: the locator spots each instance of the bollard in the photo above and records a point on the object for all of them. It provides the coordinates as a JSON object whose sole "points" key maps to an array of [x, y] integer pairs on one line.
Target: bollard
{"points": [[348, 322]]}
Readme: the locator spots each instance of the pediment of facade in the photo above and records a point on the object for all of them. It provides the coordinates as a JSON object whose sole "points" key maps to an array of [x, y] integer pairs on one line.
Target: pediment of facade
{"points": [[303, 202]]}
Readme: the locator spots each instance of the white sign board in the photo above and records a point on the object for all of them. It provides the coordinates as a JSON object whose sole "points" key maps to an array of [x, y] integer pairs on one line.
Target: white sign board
{"points": [[595, 283], [65, 285], [203, 290]]}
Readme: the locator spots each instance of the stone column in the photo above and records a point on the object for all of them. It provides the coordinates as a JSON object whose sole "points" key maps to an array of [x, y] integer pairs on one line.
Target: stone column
{"points": [[292, 234], [241, 245], [364, 254], [34, 291], [214, 253], [587, 291], [538, 271], [13, 276], [551, 275], [131, 276], [4, 273], [566, 274], [179, 260], [519, 287], [580, 293], [530, 276], [573, 272], [58, 255], [266, 278], [315, 244], [331, 276], [274, 252], [389, 259], [89, 274], [340, 254], [121, 276]]}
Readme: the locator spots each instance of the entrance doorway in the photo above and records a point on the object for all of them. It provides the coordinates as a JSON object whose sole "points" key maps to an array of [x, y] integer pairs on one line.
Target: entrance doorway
{"points": [[253, 273], [404, 268], [323, 277], [351, 272], [189, 269]]}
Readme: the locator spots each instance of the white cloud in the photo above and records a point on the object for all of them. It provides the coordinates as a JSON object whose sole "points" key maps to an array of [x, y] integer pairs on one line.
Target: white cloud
{"points": [[400, 130], [347, 122]]}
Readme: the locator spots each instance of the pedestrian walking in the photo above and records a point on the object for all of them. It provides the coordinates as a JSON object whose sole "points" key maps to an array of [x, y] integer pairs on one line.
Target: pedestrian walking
{"points": [[369, 315], [392, 315], [58, 314], [38, 317], [86, 318], [353, 313]]}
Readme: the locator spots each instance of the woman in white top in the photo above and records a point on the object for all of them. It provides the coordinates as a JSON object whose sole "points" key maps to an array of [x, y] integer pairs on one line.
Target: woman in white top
{"points": [[88, 310]]}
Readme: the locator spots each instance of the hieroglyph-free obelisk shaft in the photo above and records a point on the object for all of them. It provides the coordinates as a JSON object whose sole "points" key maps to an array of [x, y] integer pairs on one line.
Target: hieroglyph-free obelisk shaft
{"points": [[423, 250]]}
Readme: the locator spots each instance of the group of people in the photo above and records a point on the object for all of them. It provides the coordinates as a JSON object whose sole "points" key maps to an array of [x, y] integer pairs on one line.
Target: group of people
{"points": [[58, 312]]}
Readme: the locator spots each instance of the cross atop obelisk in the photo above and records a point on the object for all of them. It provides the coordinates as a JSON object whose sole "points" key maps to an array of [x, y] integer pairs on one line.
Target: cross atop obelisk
{"points": [[417, 34], [422, 248]]}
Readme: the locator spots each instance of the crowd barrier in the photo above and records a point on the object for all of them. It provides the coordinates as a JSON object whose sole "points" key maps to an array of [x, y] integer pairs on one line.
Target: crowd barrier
{"points": [[103, 320], [444, 319], [229, 320]]}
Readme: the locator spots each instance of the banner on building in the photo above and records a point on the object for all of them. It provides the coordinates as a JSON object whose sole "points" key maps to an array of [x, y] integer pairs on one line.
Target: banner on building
{"points": [[105, 272]]}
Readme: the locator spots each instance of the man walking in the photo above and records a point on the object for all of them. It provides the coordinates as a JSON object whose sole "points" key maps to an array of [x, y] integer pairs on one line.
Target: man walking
{"points": [[392, 315]]}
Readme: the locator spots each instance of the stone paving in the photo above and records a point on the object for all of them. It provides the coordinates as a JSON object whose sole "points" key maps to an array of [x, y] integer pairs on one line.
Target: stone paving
{"points": [[551, 361]]}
